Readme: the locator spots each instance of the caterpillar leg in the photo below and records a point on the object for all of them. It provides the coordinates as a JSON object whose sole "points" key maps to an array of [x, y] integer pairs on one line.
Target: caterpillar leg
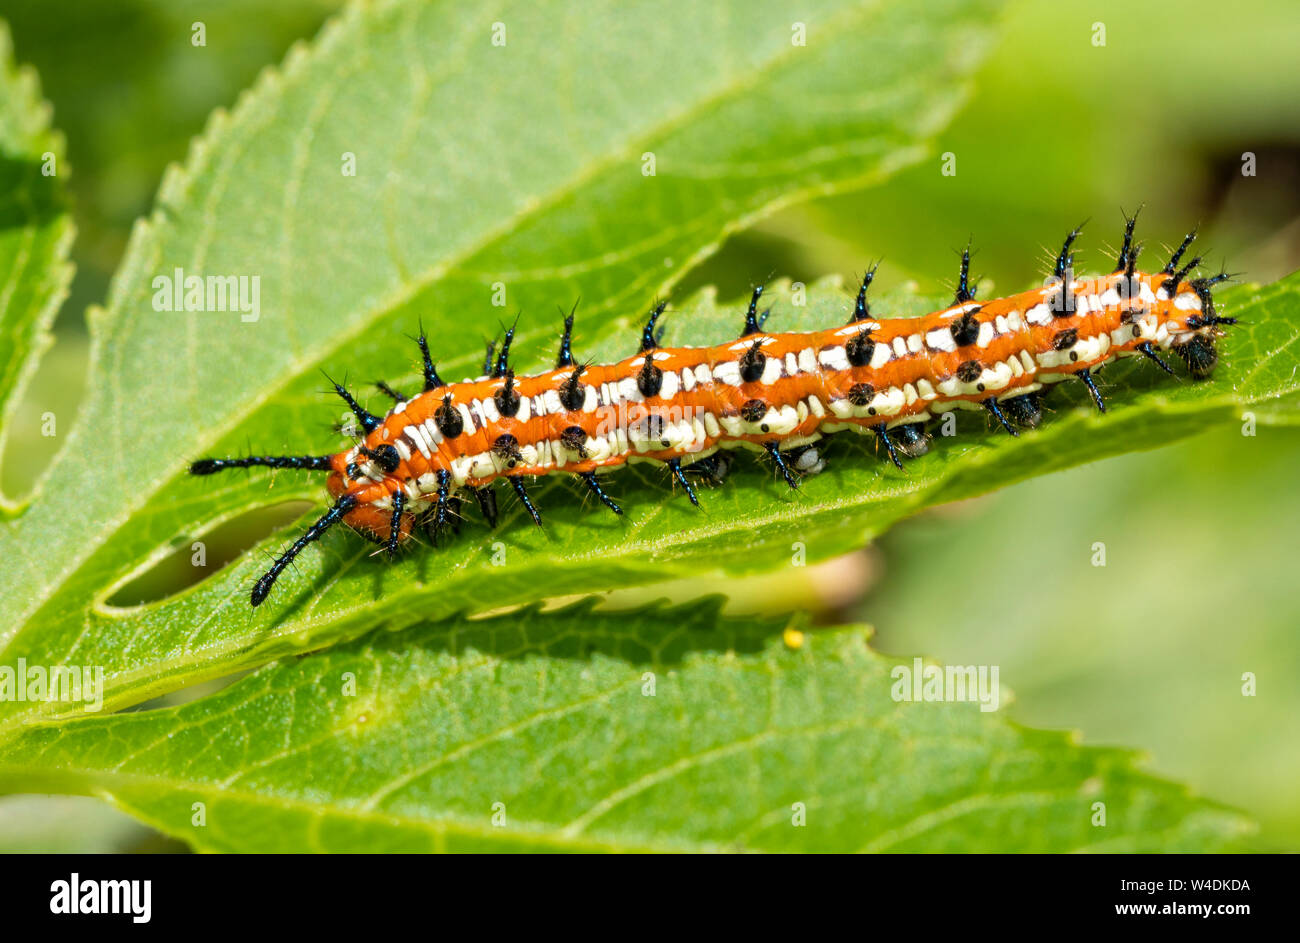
{"points": [[807, 460], [594, 484], [774, 450], [675, 466], [911, 440], [487, 503], [1149, 352], [1025, 411], [1086, 376], [991, 404], [527, 501], [1200, 353], [883, 435], [438, 518], [454, 517], [712, 469], [395, 525]]}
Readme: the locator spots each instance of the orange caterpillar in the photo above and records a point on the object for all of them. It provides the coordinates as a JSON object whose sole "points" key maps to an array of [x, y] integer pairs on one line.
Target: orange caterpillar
{"points": [[773, 393]]}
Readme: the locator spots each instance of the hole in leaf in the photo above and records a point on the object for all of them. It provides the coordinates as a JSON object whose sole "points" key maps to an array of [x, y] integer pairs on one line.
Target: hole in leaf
{"points": [[196, 559], [191, 692]]}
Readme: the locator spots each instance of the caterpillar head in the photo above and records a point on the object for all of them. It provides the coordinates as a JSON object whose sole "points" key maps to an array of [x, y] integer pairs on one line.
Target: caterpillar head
{"points": [[1200, 351], [1200, 354]]}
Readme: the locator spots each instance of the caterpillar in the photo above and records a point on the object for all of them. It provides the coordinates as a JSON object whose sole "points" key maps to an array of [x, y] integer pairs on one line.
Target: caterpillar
{"points": [[774, 393]]}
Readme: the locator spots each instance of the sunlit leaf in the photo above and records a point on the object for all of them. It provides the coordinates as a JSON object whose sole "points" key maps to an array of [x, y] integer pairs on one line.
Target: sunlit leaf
{"points": [[665, 730], [488, 166]]}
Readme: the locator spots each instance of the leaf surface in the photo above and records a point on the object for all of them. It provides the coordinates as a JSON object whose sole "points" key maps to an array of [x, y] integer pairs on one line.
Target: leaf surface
{"points": [[580, 730], [480, 168]]}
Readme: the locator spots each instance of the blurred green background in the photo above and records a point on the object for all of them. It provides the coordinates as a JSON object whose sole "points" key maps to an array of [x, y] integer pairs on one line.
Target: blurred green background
{"points": [[1147, 652]]}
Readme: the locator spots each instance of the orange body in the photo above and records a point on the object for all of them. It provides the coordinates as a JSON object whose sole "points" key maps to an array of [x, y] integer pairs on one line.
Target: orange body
{"points": [[805, 386]]}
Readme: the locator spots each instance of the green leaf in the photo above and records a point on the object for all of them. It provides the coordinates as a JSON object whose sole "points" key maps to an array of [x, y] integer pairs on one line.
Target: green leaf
{"points": [[476, 165], [341, 590], [473, 175], [92, 52], [580, 730], [35, 234]]}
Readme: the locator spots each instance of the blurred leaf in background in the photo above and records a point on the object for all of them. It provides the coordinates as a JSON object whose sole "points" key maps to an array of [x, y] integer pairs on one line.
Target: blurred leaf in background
{"points": [[130, 90], [1149, 650], [36, 232], [1061, 130], [72, 825]]}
